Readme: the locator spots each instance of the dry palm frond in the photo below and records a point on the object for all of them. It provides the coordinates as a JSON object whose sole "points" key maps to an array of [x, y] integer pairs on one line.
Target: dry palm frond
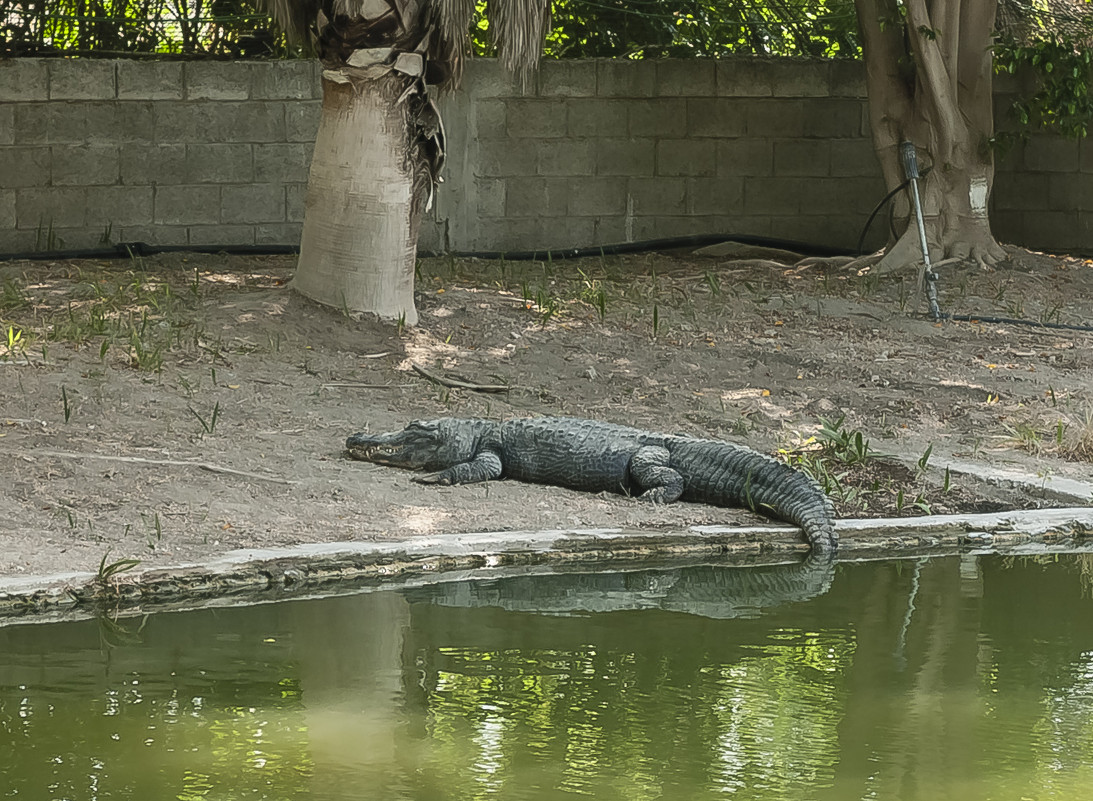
{"points": [[518, 28], [452, 21], [293, 16]]}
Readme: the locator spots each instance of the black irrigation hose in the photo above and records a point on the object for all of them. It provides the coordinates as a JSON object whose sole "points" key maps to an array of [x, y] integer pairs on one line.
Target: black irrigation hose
{"points": [[975, 318], [125, 250]]}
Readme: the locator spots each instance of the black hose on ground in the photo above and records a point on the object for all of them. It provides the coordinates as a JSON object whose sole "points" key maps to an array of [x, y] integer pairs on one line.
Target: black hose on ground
{"points": [[125, 250], [128, 250]]}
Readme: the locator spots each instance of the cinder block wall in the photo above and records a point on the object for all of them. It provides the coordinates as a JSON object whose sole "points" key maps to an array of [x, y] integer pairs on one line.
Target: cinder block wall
{"points": [[592, 152], [167, 152], [597, 152]]}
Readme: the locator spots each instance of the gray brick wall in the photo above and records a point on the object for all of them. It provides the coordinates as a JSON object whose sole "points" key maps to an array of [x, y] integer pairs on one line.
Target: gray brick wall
{"points": [[596, 152], [170, 153], [592, 152]]}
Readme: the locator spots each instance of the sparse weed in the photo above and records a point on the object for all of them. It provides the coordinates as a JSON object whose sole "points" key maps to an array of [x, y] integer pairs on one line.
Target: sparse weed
{"points": [[114, 569], [207, 424]]}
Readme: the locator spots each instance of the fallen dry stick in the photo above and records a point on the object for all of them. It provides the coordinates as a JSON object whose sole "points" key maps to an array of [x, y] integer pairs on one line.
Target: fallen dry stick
{"points": [[212, 468], [456, 383]]}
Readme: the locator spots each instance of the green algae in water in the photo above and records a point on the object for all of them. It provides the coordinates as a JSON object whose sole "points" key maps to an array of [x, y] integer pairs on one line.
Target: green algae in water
{"points": [[962, 678]]}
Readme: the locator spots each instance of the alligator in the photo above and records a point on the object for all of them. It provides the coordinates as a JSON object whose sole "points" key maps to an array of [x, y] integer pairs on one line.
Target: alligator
{"points": [[595, 456]]}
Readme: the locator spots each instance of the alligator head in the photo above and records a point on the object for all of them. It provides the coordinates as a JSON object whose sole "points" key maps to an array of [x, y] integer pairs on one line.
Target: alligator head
{"points": [[422, 445]]}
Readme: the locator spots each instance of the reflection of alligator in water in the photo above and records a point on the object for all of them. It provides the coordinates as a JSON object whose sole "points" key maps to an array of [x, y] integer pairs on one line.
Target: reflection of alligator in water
{"points": [[705, 590], [596, 457]]}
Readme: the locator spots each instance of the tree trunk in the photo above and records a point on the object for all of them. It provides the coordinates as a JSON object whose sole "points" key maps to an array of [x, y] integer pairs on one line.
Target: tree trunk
{"points": [[362, 212], [929, 82]]}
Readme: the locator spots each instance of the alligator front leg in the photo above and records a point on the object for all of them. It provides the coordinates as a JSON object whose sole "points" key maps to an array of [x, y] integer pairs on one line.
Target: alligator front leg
{"points": [[485, 466], [649, 470]]}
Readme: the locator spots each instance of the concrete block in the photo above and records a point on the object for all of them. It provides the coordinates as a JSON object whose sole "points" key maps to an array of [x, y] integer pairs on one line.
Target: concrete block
{"points": [[1050, 154], [607, 231], [63, 207], [24, 166], [254, 203], [567, 157], [780, 118], [491, 197], [718, 196], [188, 122], [7, 210], [743, 77], [257, 121], [745, 157], [802, 157], [16, 241], [535, 118], [282, 162], [218, 80], [799, 77], [659, 117], [772, 196], [567, 78], [219, 164], [23, 80], [7, 125], [853, 157], [484, 77], [119, 206], [664, 227], [302, 120], [716, 116], [751, 224], [596, 117], [211, 121], [686, 157], [685, 77], [808, 229], [295, 202], [150, 80], [847, 78], [1068, 191], [625, 156], [1048, 230], [657, 196], [597, 197], [1023, 191], [187, 205], [221, 235], [830, 117], [488, 118], [623, 78], [143, 165], [133, 121], [85, 165], [154, 234], [292, 79], [82, 79], [49, 123], [499, 158], [278, 234], [536, 197]]}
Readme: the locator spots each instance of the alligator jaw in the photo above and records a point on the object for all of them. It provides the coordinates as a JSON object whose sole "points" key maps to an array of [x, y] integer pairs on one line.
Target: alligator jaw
{"points": [[413, 448]]}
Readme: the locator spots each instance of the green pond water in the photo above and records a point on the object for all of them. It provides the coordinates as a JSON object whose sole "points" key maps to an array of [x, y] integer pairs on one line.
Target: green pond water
{"points": [[951, 678]]}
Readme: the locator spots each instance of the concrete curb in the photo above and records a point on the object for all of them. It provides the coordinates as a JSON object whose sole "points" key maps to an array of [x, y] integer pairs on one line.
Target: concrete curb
{"points": [[311, 570]]}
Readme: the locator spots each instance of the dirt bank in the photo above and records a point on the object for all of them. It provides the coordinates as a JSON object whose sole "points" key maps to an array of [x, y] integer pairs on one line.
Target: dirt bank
{"points": [[175, 408]]}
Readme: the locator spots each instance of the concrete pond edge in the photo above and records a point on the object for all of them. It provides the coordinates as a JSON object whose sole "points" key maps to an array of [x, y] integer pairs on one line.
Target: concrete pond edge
{"points": [[313, 570]]}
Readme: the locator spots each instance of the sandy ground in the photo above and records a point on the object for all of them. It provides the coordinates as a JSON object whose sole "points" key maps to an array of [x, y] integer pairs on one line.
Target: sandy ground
{"points": [[173, 408]]}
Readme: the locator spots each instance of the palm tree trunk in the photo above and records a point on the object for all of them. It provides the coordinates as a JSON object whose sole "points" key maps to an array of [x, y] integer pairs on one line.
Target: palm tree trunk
{"points": [[362, 212]]}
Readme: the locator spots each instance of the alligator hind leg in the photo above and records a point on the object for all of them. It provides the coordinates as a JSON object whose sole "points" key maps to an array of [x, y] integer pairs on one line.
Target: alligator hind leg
{"points": [[649, 470], [485, 466]]}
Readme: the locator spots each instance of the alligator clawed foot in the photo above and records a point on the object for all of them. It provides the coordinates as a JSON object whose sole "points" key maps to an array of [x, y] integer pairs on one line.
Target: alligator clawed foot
{"points": [[433, 478]]}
